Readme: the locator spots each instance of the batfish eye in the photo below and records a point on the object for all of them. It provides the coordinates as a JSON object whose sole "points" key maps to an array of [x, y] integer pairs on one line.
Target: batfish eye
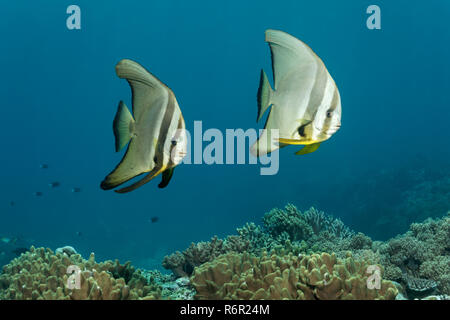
{"points": [[329, 113], [155, 159], [174, 143]]}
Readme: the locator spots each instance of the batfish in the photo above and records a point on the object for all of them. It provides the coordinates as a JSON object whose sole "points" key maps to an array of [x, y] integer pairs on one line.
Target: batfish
{"points": [[155, 130], [305, 105]]}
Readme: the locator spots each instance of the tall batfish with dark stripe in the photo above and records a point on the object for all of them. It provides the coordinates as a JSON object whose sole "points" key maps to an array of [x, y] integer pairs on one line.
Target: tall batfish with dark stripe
{"points": [[156, 130], [306, 106]]}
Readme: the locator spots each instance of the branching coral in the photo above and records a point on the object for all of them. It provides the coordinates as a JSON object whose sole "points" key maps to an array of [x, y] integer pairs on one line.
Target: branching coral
{"points": [[183, 263], [288, 222], [324, 276], [42, 274], [291, 224], [256, 237], [424, 251], [288, 229]]}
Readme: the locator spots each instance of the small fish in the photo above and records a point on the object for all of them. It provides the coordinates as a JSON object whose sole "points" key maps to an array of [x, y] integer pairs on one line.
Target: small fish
{"points": [[12, 203], [156, 130], [44, 166], [78, 233], [54, 184], [306, 105], [38, 193], [75, 190], [19, 251], [154, 219]]}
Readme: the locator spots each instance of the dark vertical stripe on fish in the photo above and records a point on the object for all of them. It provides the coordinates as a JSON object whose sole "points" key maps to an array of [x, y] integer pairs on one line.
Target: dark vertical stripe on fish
{"points": [[164, 129], [180, 127], [316, 97], [327, 120]]}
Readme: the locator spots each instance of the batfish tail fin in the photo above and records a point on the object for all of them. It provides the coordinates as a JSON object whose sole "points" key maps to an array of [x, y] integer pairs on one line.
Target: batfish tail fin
{"points": [[264, 95], [123, 126]]}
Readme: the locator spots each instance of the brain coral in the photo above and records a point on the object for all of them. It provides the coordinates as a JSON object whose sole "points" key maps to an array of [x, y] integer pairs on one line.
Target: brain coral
{"points": [[42, 274], [317, 276]]}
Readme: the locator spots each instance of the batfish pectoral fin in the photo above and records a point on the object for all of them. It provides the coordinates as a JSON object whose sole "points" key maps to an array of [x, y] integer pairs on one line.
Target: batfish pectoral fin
{"points": [[123, 126], [308, 149], [152, 174], [166, 176], [264, 95]]}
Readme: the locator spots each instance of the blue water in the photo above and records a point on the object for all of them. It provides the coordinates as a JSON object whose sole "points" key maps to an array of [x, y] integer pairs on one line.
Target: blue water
{"points": [[60, 93]]}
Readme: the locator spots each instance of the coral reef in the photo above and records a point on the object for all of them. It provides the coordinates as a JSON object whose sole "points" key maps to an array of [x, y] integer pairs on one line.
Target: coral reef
{"points": [[417, 287], [287, 224], [183, 263], [325, 233], [418, 261], [421, 253], [67, 250], [41, 274], [172, 288], [294, 225], [286, 276], [281, 229], [292, 255]]}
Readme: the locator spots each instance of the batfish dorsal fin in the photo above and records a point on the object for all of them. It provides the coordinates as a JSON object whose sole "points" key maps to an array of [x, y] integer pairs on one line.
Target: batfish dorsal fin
{"points": [[146, 88], [289, 54]]}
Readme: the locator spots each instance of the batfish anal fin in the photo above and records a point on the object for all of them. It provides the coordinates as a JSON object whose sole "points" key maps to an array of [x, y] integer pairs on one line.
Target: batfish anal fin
{"points": [[166, 176], [308, 149], [123, 126], [152, 174]]}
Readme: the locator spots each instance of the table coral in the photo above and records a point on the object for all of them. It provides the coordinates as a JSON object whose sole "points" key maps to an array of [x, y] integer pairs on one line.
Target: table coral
{"points": [[418, 287], [316, 276], [41, 274]]}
